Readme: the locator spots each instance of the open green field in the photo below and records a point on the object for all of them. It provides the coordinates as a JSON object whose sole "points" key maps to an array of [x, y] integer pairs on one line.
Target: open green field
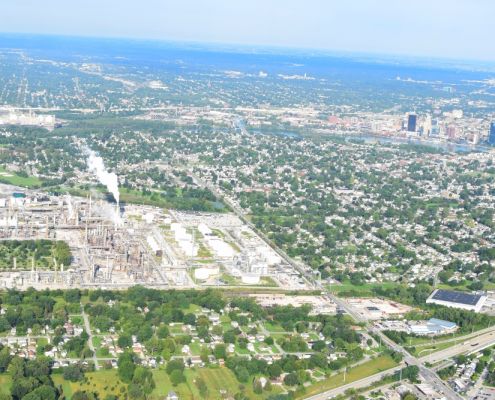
{"points": [[274, 328], [5, 383], [361, 371], [425, 350], [14, 179], [104, 382], [365, 290]]}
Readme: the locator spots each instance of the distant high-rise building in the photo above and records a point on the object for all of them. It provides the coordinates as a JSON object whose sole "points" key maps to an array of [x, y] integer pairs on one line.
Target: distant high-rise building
{"points": [[411, 123], [491, 136], [450, 132], [427, 126]]}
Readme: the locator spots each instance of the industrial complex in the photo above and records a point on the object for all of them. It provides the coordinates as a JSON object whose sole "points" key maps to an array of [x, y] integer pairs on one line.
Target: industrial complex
{"points": [[119, 245]]}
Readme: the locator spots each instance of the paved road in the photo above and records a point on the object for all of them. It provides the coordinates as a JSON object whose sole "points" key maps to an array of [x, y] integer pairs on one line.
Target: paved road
{"points": [[87, 328], [429, 376], [472, 345]]}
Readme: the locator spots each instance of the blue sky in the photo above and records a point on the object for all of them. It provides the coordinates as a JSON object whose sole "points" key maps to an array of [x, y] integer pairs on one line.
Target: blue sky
{"points": [[461, 29]]}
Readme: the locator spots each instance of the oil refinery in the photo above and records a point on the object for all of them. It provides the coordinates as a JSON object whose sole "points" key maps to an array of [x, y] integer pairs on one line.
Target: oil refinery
{"points": [[120, 245]]}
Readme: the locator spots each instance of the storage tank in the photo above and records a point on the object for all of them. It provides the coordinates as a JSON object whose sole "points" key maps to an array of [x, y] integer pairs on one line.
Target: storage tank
{"points": [[203, 274], [250, 278]]}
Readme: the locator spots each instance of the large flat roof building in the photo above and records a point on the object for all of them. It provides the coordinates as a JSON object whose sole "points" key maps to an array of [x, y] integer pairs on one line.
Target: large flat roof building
{"points": [[433, 327], [491, 134], [411, 122], [465, 301]]}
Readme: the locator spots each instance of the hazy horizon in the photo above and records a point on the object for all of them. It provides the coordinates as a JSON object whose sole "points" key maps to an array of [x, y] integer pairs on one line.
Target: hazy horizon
{"points": [[421, 29], [246, 48]]}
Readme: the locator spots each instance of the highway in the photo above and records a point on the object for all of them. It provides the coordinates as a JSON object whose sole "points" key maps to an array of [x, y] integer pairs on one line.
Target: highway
{"points": [[428, 375], [471, 345]]}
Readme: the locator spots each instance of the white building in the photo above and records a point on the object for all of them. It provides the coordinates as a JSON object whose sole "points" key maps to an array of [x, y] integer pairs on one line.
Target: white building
{"points": [[465, 301]]}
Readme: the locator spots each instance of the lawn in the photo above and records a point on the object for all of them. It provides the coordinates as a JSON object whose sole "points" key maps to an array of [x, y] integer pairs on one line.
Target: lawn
{"points": [[195, 348], [217, 379], [76, 319], [107, 382], [421, 346], [274, 327], [5, 383], [365, 290], [425, 350], [104, 382], [176, 329], [163, 386], [13, 179], [361, 371], [97, 341], [192, 308], [258, 347], [240, 351]]}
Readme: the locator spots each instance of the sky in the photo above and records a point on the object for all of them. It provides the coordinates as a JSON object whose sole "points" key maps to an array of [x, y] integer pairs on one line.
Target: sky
{"points": [[458, 29]]}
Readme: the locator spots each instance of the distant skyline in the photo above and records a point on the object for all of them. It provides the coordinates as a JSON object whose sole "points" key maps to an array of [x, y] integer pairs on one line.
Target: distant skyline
{"points": [[458, 29]]}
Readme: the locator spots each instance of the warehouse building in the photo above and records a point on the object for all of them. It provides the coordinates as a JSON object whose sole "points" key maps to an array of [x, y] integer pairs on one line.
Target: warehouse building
{"points": [[433, 327], [465, 301]]}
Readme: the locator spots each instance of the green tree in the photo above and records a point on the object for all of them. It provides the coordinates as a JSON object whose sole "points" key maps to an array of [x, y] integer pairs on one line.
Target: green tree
{"points": [[126, 367], [177, 377], [202, 387], [220, 351]]}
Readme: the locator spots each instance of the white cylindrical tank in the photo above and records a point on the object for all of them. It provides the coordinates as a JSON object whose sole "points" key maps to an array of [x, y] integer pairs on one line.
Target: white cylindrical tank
{"points": [[250, 279], [204, 273]]}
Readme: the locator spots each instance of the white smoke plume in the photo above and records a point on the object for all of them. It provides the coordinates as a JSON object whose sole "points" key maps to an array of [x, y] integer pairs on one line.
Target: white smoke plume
{"points": [[109, 179], [103, 209]]}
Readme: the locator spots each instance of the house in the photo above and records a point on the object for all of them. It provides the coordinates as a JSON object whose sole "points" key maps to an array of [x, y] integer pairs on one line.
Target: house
{"points": [[214, 318], [172, 396], [69, 328]]}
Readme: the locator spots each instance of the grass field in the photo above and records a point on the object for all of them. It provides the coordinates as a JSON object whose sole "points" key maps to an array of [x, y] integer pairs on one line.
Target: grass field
{"points": [[219, 380], [425, 350], [365, 290], [13, 179], [104, 382], [361, 371], [5, 383], [274, 327]]}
